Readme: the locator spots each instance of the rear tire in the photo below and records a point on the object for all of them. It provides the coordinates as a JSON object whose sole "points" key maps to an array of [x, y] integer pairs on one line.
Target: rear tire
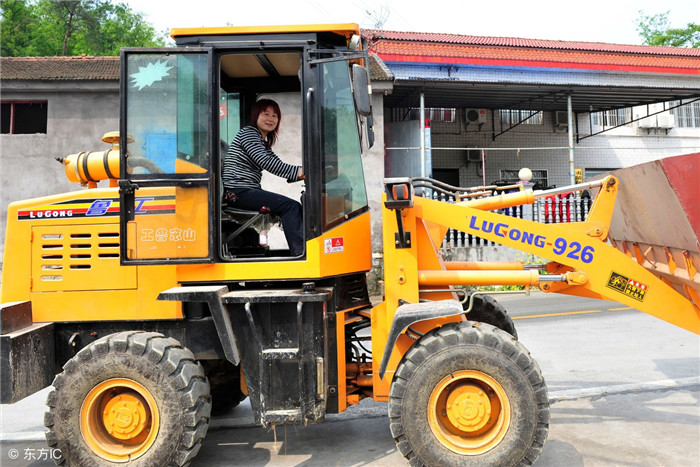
{"points": [[133, 397], [469, 393], [487, 310]]}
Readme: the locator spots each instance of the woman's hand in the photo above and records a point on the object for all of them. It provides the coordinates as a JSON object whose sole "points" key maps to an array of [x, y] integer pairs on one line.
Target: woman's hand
{"points": [[300, 175]]}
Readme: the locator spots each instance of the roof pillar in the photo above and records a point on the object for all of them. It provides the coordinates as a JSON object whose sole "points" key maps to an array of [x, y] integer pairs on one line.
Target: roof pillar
{"points": [[570, 122]]}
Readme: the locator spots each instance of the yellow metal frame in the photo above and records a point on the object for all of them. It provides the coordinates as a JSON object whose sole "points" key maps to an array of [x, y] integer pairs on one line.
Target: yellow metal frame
{"points": [[53, 259], [126, 293], [343, 29], [578, 252], [355, 256]]}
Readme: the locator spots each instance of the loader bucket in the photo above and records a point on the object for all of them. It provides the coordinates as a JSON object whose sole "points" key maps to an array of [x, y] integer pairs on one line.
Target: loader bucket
{"points": [[657, 220]]}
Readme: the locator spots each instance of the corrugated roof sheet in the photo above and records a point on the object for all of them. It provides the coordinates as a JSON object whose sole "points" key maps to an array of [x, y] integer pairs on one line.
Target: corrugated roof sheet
{"points": [[453, 70], [376, 35], [59, 68]]}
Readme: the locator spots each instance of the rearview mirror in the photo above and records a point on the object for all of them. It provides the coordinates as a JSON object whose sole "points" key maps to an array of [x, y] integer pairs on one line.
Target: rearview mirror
{"points": [[360, 90]]}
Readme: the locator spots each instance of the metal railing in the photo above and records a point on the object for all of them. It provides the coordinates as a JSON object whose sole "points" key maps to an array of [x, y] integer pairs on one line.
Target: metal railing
{"points": [[552, 209]]}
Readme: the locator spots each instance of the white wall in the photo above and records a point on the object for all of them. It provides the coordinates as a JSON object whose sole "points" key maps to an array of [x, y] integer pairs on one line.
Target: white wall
{"points": [[618, 148]]}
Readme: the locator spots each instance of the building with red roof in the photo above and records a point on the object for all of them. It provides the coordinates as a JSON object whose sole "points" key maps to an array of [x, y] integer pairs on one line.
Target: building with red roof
{"points": [[602, 75], [497, 104]]}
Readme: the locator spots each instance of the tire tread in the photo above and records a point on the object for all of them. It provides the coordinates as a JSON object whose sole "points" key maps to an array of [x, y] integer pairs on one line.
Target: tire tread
{"points": [[467, 333], [176, 362]]}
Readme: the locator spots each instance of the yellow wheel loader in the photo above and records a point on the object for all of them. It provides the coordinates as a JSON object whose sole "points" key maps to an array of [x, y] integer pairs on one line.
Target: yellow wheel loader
{"points": [[148, 304]]}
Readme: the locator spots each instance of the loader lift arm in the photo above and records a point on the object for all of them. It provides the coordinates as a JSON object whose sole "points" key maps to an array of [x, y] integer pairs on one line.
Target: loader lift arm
{"points": [[593, 267], [581, 263]]}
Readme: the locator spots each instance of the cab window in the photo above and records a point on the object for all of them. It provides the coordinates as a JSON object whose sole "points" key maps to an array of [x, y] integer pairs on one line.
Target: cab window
{"points": [[343, 178], [167, 113]]}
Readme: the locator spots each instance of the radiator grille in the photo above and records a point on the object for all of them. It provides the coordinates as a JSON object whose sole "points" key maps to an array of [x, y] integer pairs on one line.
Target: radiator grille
{"points": [[78, 257]]}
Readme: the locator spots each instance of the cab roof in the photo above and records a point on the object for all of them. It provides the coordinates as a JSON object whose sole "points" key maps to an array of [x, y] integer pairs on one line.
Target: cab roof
{"points": [[343, 29]]}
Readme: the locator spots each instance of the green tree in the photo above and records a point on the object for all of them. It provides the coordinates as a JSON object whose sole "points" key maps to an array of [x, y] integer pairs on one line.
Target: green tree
{"points": [[655, 30], [16, 27], [72, 27]]}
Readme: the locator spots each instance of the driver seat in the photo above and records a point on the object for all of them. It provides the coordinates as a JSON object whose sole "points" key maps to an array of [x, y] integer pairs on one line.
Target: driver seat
{"points": [[246, 226]]}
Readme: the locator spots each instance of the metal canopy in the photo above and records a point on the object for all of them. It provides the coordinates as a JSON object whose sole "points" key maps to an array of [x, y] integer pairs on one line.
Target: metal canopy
{"points": [[546, 97]]}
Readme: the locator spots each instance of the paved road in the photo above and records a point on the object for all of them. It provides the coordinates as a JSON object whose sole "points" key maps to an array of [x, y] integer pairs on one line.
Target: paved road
{"points": [[625, 390]]}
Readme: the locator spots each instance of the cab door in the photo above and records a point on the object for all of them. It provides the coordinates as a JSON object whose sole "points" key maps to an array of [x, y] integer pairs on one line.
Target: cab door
{"points": [[167, 146]]}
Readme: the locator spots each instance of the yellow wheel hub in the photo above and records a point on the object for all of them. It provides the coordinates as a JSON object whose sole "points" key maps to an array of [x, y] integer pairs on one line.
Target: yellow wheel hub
{"points": [[119, 419], [125, 416], [469, 412], [468, 408]]}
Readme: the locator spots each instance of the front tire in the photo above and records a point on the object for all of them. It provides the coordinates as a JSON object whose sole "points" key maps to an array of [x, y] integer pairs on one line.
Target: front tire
{"points": [[133, 397], [469, 393]]}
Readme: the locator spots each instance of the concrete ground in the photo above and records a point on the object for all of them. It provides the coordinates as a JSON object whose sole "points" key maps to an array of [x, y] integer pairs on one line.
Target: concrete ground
{"points": [[650, 428], [624, 390]]}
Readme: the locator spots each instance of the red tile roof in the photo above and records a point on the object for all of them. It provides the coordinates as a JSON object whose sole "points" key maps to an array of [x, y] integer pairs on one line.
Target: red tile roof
{"points": [[59, 68], [530, 43], [500, 51]]}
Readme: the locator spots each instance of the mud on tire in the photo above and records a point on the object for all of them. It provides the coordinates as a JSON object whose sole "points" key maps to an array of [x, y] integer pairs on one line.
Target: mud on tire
{"points": [[469, 394], [131, 396]]}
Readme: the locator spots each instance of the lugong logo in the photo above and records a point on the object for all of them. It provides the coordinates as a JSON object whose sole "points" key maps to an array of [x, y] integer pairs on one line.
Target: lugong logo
{"points": [[627, 286]]}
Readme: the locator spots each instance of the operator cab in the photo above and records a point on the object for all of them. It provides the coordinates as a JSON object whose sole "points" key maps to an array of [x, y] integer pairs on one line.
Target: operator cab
{"points": [[182, 107], [245, 78]]}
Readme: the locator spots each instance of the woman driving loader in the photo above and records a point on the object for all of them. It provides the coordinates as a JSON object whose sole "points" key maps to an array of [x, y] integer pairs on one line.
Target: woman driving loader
{"points": [[248, 155]]}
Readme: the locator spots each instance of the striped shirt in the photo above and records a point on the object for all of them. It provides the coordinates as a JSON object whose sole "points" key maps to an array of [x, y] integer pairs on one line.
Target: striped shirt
{"points": [[247, 157]]}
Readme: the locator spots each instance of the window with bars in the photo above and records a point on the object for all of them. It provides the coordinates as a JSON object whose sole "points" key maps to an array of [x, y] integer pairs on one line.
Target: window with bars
{"points": [[442, 115], [523, 117], [687, 115], [24, 117], [435, 114], [612, 117]]}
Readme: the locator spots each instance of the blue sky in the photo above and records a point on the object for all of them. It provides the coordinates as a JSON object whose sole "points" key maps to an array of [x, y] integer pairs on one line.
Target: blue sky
{"points": [[612, 21]]}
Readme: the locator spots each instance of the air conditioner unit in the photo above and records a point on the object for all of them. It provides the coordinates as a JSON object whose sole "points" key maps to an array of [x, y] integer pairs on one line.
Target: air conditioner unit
{"points": [[561, 118], [665, 120], [473, 155], [475, 116], [647, 122]]}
